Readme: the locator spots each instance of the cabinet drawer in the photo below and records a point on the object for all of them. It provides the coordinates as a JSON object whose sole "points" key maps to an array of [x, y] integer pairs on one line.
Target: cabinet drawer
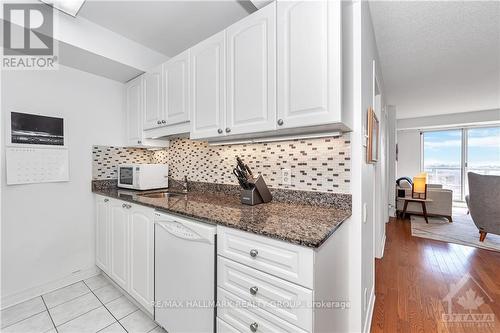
{"points": [[245, 318], [284, 299], [288, 261], [223, 327]]}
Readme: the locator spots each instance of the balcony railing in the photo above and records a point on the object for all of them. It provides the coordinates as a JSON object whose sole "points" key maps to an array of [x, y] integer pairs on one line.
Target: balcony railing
{"points": [[451, 178]]}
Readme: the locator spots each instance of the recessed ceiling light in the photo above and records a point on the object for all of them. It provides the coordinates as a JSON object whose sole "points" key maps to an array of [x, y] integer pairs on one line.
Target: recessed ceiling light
{"points": [[70, 7]]}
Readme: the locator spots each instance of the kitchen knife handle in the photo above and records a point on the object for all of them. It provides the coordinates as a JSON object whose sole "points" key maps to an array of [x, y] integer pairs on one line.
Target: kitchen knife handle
{"points": [[249, 171]]}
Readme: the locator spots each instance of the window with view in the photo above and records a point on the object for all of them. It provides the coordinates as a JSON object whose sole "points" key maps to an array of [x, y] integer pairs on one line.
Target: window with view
{"points": [[449, 154]]}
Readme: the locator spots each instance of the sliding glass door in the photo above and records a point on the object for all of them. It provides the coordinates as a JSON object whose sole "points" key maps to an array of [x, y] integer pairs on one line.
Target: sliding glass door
{"points": [[442, 157], [483, 152], [449, 154]]}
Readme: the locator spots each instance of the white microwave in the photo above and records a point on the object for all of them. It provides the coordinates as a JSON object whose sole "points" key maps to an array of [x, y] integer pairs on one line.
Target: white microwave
{"points": [[143, 176]]}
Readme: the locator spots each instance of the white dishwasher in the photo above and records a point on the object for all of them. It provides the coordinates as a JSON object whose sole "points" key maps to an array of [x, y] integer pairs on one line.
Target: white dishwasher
{"points": [[185, 282]]}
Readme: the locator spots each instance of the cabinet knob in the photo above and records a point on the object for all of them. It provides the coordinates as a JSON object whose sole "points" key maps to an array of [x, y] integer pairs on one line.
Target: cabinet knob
{"points": [[139, 141], [280, 122], [129, 206], [106, 200], [254, 253], [124, 205], [254, 290], [158, 122], [220, 131], [254, 326], [163, 121], [228, 130]]}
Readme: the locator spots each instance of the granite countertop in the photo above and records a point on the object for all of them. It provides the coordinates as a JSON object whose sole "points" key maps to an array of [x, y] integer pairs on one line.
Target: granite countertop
{"points": [[304, 224]]}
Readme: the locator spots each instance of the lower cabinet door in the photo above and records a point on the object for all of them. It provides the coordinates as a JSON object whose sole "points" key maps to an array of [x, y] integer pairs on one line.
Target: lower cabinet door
{"points": [[102, 257], [141, 256], [223, 327], [119, 243]]}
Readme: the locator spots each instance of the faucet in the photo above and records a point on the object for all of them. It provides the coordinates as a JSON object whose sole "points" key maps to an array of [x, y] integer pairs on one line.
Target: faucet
{"points": [[184, 184]]}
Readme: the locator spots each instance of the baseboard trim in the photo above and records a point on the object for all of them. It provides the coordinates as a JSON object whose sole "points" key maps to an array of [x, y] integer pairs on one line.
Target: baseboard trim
{"points": [[30, 293], [381, 248], [369, 312]]}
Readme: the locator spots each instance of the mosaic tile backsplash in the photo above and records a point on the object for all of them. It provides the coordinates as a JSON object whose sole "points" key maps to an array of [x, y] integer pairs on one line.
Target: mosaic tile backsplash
{"points": [[105, 160], [321, 164]]}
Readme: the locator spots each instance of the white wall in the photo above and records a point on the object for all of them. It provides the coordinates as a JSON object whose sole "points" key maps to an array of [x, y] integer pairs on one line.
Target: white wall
{"points": [[391, 152], [409, 151], [47, 230], [362, 249], [369, 54]]}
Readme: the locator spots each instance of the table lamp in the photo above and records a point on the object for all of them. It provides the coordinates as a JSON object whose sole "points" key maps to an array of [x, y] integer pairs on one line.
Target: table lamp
{"points": [[419, 187]]}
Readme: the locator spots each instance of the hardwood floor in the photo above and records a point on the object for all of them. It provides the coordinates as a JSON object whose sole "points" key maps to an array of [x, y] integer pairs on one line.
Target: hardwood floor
{"points": [[415, 275]]}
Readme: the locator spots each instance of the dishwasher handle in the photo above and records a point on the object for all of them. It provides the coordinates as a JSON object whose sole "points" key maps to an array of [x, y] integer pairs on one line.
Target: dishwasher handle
{"points": [[179, 230]]}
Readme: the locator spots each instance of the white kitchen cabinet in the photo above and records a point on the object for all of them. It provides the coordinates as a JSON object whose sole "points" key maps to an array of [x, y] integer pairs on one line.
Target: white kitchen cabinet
{"points": [[119, 243], [208, 77], [141, 250], [125, 247], [285, 260], [102, 248], [134, 93], [223, 327], [251, 73], [309, 63], [176, 89], [153, 99], [134, 114], [284, 282]]}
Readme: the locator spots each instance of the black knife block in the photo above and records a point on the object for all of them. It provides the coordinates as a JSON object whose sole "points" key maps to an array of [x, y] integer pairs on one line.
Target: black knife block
{"points": [[258, 194], [250, 197]]}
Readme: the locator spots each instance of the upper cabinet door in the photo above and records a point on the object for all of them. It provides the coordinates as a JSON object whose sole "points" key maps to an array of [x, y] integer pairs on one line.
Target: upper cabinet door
{"points": [[176, 89], [134, 110], [251, 77], [309, 63], [208, 68], [153, 99]]}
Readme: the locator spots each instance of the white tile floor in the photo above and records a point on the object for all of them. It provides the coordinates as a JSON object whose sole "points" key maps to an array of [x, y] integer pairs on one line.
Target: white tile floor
{"points": [[92, 305]]}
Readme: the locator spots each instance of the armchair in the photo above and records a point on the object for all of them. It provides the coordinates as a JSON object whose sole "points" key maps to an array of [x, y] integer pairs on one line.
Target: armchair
{"points": [[483, 203]]}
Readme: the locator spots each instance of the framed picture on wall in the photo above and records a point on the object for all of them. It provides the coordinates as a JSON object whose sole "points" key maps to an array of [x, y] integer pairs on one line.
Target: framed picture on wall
{"points": [[372, 149]]}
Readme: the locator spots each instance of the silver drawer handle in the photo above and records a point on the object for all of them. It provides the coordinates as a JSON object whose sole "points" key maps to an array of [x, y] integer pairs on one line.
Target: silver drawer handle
{"points": [[254, 290], [254, 253], [254, 326]]}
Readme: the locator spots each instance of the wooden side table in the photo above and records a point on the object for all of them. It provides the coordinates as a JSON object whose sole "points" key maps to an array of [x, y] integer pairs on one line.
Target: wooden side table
{"points": [[421, 201]]}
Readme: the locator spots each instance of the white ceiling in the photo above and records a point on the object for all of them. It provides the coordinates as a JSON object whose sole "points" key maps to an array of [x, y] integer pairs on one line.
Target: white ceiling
{"points": [[168, 27], [439, 57]]}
